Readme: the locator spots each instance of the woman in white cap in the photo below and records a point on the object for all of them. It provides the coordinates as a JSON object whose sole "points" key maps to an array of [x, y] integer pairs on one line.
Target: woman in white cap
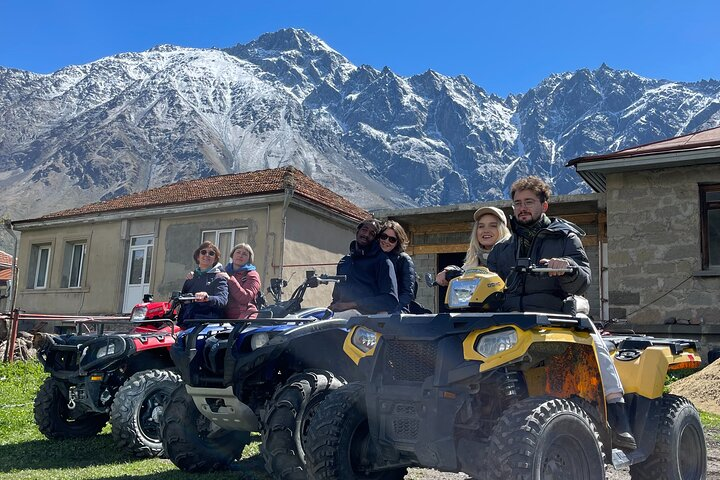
{"points": [[489, 228]]}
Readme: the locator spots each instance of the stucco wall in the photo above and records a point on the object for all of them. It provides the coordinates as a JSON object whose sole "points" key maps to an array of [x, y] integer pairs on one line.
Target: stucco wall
{"points": [[313, 243], [101, 288], [653, 223]]}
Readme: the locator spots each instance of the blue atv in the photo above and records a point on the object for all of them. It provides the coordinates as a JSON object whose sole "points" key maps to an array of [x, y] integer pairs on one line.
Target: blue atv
{"points": [[264, 374]]}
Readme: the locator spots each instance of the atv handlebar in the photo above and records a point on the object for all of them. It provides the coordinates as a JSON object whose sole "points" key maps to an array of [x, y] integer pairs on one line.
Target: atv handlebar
{"points": [[539, 270]]}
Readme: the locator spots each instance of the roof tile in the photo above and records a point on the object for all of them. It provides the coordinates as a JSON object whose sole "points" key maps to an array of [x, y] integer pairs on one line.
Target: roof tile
{"points": [[219, 187]]}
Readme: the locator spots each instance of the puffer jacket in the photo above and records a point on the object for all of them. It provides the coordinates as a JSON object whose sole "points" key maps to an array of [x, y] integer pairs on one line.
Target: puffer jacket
{"points": [[406, 279], [371, 281], [217, 289], [244, 286], [542, 293]]}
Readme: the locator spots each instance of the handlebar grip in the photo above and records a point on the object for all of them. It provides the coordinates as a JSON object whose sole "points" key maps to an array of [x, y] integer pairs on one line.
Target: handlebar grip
{"points": [[572, 269], [333, 278]]}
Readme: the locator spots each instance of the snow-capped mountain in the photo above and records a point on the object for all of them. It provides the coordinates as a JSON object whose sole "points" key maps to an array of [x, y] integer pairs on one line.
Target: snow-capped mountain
{"points": [[139, 120]]}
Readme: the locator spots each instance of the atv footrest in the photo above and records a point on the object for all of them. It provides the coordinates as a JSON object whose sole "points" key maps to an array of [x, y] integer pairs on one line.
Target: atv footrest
{"points": [[222, 407]]}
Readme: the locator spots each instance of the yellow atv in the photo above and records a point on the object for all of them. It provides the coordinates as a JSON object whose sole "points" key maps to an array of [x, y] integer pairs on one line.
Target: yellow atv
{"points": [[500, 396]]}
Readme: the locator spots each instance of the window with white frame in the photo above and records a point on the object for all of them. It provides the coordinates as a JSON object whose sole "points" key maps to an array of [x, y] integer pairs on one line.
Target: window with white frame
{"points": [[225, 240], [710, 226], [73, 265], [39, 268]]}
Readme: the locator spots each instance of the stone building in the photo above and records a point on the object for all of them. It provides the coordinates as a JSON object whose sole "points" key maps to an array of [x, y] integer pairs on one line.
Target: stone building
{"points": [[663, 228]]}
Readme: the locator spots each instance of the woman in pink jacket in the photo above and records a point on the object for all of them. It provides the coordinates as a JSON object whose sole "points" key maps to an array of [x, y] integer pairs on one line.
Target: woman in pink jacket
{"points": [[243, 283]]}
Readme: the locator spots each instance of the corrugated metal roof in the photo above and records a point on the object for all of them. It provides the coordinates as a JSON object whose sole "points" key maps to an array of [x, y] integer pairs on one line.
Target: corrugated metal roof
{"points": [[220, 187], [697, 140]]}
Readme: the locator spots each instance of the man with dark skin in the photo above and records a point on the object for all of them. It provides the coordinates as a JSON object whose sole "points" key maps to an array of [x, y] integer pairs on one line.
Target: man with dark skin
{"points": [[371, 285], [555, 243]]}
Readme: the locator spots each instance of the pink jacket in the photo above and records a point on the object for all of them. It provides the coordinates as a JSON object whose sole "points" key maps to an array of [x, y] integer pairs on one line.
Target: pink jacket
{"points": [[243, 287]]}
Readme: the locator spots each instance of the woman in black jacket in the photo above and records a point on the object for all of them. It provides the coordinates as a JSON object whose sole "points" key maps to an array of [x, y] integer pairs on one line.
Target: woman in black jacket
{"points": [[393, 241]]}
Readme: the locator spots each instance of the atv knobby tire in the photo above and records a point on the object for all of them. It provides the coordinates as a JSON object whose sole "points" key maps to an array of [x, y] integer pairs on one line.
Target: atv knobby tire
{"points": [[53, 417], [680, 452], [337, 439], [286, 420], [545, 438], [137, 409], [193, 442]]}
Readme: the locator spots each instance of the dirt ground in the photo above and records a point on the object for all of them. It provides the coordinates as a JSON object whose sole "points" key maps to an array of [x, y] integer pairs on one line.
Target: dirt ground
{"points": [[712, 439]]}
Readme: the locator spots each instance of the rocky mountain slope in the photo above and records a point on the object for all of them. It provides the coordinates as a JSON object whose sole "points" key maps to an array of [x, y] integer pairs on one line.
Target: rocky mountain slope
{"points": [[138, 120]]}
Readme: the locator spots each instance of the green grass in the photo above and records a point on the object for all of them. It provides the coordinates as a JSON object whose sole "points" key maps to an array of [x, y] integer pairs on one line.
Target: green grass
{"points": [[26, 454]]}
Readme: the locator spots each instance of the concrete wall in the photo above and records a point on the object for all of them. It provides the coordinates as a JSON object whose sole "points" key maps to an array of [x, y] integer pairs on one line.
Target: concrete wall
{"points": [[653, 226], [101, 288], [313, 243], [313, 240]]}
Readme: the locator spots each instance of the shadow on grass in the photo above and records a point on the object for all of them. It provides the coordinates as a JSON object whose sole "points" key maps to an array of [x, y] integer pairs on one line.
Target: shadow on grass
{"points": [[45, 454], [102, 451], [247, 469]]}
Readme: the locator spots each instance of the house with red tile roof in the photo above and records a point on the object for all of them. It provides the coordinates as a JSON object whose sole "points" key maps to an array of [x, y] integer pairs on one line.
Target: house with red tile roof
{"points": [[6, 278], [101, 258], [663, 230]]}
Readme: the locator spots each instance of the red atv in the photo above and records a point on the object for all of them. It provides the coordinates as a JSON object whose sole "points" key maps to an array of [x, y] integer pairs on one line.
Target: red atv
{"points": [[123, 377]]}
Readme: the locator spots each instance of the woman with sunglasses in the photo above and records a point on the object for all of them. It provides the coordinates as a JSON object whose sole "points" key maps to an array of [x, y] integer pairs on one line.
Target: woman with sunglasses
{"points": [[393, 241], [243, 283], [210, 289]]}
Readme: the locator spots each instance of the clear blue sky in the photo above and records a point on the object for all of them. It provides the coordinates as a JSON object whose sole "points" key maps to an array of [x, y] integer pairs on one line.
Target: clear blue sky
{"points": [[505, 46]]}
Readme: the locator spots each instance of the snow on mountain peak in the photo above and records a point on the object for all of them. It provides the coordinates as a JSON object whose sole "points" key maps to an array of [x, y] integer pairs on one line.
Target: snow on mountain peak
{"points": [[142, 119]]}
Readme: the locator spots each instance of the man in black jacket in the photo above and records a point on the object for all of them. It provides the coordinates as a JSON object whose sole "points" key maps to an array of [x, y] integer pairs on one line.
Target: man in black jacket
{"points": [[371, 285], [554, 243]]}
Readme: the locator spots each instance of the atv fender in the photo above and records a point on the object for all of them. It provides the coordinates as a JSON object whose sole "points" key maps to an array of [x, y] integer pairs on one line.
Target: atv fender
{"points": [[221, 406]]}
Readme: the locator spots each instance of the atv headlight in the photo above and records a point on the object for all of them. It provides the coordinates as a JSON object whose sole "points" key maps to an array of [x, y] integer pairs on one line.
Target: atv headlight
{"points": [[105, 351], [461, 291], [259, 340], [496, 342], [364, 339], [138, 314]]}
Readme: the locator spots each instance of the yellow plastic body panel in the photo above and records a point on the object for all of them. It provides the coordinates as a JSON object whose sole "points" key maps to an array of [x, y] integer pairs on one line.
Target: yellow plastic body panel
{"points": [[353, 352], [645, 375], [525, 339], [572, 371], [490, 285]]}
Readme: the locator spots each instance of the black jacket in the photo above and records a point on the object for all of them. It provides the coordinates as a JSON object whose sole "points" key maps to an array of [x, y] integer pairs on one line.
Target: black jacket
{"points": [[217, 289], [561, 239], [371, 281], [406, 280]]}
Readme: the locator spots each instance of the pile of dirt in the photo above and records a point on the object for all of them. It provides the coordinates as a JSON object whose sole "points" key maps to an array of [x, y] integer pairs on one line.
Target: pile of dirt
{"points": [[702, 388]]}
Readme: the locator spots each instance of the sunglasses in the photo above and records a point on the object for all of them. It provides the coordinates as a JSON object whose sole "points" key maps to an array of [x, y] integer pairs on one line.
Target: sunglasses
{"points": [[209, 253], [388, 238]]}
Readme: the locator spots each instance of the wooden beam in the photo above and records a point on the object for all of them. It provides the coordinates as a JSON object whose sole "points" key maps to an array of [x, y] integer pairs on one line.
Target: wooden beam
{"points": [[587, 241], [442, 228], [430, 249]]}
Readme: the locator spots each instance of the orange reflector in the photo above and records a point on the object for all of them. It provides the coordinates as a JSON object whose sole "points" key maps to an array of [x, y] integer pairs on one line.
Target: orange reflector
{"points": [[448, 395], [96, 378], [684, 365]]}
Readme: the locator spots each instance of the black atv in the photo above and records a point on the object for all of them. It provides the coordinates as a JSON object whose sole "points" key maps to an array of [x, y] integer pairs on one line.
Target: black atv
{"points": [[265, 374], [121, 377]]}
